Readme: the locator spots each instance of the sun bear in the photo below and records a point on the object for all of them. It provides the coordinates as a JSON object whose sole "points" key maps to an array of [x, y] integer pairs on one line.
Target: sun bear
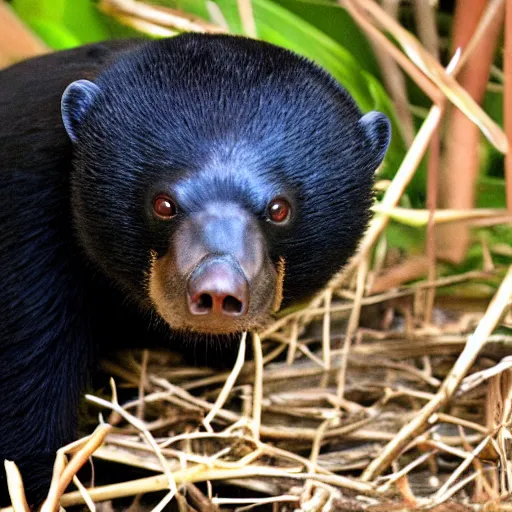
{"points": [[190, 186]]}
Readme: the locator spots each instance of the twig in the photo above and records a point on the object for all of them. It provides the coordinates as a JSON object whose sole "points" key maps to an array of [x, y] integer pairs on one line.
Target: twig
{"points": [[317, 443], [326, 336], [404, 471], [444, 492], [247, 16], [58, 486], [257, 395], [139, 425], [456, 488], [292, 348], [477, 378], [353, 323], [197, 474], [85, 495], [142, 384], [228, 385], [255, 501], [15, 487], [157, 16]]}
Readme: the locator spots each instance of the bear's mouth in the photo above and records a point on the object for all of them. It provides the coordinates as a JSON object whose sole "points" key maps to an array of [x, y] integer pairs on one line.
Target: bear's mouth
{"points": [[214, 312]]}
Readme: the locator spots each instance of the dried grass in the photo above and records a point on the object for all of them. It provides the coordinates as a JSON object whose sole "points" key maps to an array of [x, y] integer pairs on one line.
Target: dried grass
{"points": [[405, 406]]}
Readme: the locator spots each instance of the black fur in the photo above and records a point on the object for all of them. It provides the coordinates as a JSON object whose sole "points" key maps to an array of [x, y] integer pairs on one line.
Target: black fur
{"points": [[205, 117]]}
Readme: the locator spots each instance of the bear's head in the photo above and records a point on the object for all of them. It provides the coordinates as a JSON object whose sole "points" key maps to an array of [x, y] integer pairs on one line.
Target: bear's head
{"points": [[217, 179]]}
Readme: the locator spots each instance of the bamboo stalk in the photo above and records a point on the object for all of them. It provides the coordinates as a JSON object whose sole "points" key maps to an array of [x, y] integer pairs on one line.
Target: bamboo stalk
{"points": [[459, 172]]}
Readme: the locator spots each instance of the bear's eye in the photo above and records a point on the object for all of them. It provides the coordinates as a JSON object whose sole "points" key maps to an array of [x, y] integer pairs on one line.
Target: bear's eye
{"points": [[279, 210], [164, 207]]}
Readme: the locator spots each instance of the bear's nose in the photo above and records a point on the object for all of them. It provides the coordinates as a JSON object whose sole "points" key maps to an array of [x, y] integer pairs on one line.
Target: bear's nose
{"points": [[218, 288]]}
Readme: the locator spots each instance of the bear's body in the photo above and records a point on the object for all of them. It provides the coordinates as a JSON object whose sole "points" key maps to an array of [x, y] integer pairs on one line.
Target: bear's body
{"points": [[203, 182]]}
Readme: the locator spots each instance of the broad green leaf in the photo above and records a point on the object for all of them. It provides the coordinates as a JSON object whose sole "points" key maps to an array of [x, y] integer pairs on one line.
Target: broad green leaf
{"points": [[55, 35]]}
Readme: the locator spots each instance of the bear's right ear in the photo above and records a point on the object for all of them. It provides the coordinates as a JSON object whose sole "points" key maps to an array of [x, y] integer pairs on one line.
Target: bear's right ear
{"points": [[76, 102], [378, 130]]}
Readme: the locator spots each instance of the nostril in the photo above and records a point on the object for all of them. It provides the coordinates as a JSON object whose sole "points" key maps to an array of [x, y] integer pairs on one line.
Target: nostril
{"points": [[232, 305], [204, 302], [201, 305]]}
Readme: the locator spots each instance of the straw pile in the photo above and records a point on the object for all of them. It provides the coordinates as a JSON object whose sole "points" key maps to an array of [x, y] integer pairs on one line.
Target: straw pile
{"points": [[402, 417]]}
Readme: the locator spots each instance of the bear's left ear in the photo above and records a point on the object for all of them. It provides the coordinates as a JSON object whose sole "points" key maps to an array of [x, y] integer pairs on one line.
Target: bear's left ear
{"points": [[76, 102], [378, 130]]}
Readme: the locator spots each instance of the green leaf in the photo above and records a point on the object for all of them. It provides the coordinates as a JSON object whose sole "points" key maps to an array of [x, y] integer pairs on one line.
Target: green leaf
{"points": [[335, 22], [63, 24]]}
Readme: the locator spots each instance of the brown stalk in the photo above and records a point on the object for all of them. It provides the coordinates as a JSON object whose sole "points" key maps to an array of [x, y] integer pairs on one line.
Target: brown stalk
{"points": [[426, 26], [411, 269], [17, 42], [432, 184], [507, 99], [461, 159], [142, 384], [427, 30]]}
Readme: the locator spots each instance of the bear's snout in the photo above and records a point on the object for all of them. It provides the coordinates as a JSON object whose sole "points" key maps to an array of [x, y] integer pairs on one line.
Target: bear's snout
{"points": [[217, 276], [218, 287]]}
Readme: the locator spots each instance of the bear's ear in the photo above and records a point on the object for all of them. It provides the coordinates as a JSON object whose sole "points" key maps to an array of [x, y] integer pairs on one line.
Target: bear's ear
{"points": [[378, 130], [76, 102]]}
